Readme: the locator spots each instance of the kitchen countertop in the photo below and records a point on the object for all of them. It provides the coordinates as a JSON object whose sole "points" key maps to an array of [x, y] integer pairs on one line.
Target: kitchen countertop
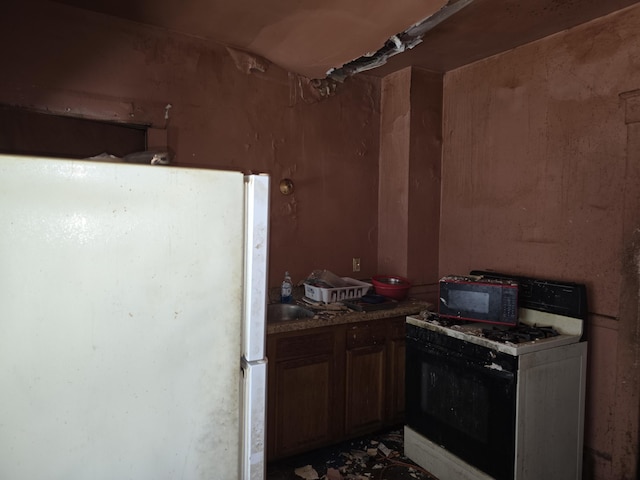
{"points": [[324, 318]]}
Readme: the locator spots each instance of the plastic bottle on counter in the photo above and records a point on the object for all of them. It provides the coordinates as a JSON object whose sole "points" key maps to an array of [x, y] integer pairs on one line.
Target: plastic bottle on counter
{"points": [[287, 289]]}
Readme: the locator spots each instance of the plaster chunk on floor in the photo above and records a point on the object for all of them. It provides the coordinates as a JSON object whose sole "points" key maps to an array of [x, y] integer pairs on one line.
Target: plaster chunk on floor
{"points": [[334, 474], [307, 472]]}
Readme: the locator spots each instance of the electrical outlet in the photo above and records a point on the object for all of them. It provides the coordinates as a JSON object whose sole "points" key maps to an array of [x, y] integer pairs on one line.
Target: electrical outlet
{"points": [[356, 264]]}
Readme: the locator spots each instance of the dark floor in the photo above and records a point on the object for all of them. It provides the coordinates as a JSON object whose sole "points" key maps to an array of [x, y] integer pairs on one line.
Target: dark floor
{"points": [[376, 457]]}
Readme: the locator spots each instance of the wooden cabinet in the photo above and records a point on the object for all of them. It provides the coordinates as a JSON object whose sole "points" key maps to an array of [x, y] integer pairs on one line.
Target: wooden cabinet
{"points": [[303, 389], [366, 377], [329, 384]]}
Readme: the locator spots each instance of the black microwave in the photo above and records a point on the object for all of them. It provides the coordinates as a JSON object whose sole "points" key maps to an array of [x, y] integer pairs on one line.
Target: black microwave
{"points": [[479, 299]]}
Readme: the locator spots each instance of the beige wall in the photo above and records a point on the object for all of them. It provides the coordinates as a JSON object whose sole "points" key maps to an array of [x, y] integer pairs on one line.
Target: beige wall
{"points": [[534, 181], [62, 60]]}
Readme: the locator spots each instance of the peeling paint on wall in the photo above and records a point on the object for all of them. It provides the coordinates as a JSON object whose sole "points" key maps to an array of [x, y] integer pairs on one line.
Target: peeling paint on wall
{"points": [[309, 91], [248, 62]]}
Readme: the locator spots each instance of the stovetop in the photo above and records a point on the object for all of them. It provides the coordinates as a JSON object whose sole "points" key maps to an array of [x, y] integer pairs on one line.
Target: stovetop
{"points": [[535, 331], [519, 333]]}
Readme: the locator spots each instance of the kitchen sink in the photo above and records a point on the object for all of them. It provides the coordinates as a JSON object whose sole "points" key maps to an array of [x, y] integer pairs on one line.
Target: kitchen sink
{"points": [[280, 312]]}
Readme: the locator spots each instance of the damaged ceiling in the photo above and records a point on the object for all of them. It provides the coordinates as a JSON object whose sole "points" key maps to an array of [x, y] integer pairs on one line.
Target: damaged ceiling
{"points": [[338, 38]]}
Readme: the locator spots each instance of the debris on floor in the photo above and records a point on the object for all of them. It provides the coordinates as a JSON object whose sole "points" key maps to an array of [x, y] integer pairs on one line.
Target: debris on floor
{"points": [[333, 474], [307, 472], [372, 458]]}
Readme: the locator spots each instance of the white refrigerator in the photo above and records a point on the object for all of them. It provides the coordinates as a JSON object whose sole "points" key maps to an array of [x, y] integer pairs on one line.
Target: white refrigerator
{"points": [[132, 321]]}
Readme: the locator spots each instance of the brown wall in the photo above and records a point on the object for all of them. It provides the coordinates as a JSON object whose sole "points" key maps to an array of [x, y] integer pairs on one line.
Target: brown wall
{"points": [[534, 161], [409, 187], [534, 181], [62, 60]]}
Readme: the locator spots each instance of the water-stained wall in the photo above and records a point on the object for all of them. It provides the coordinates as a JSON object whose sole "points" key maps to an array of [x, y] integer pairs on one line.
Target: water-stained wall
{"points": [[534, 178], [225, 112]]}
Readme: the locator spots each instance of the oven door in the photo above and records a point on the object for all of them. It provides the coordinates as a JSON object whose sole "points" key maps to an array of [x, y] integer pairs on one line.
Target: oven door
{"points": [[462, 397]]}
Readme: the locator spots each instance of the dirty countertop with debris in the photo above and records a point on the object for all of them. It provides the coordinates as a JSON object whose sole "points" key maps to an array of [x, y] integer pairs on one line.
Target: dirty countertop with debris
{"points": [[337, 314]]}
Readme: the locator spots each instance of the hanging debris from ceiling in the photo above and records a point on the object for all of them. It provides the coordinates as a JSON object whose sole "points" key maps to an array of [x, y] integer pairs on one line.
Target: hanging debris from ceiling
{"points": [[398, 43], [314, 90]]}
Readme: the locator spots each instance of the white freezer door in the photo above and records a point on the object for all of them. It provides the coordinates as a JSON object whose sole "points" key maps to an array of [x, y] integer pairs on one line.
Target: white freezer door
{"points": [[121, 293], [254, 413]]}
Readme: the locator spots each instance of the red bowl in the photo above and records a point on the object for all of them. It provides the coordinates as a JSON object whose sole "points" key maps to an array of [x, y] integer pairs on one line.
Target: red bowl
{"points": [[391, 286]]}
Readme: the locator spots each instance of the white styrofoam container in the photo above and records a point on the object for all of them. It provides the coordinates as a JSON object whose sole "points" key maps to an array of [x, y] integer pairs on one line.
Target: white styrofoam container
{"points": [[355, 289]]}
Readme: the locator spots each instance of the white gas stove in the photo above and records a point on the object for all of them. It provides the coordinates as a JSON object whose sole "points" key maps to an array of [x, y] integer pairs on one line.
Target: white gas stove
{"points": [[497, 402]]}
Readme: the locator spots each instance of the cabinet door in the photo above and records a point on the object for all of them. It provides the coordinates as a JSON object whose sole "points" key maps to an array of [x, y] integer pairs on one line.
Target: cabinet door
{"points": [[365, 389], [302, 393], [397, 352], [365, 378], [396, 356]]}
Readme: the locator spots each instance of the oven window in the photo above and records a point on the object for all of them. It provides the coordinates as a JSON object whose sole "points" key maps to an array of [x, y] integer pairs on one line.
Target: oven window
{"points": [[460, 402]]}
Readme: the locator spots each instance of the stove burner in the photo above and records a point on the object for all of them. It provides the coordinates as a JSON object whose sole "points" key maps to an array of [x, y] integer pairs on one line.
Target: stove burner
{"points": [[519, 334]]}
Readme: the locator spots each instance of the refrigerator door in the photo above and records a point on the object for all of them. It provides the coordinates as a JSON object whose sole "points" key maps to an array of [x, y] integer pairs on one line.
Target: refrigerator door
{"points": [[257, 241], [121, 291], [254, 412], [254, 363]]}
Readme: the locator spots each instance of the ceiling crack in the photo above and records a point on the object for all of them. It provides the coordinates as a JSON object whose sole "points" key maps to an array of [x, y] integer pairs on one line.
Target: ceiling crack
{"points": [[397, 43]]}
